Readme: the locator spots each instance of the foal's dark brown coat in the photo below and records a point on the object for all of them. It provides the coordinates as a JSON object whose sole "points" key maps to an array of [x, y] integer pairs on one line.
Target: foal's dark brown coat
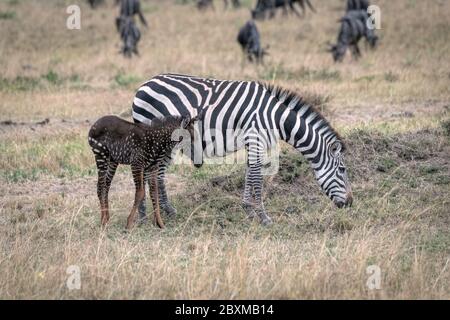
{"points": [[116, 141]]}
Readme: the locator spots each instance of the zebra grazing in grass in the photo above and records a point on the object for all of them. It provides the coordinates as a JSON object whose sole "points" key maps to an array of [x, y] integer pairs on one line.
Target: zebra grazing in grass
{"points": [[258, 116], [116, 141]]}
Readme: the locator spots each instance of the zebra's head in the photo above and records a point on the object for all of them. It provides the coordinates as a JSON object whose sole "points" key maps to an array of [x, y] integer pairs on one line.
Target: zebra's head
{"points": [[331, 174]]}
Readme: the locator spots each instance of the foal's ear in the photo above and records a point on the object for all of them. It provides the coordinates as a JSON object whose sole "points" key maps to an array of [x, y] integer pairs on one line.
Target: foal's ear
{"points": [[198, 117], [185, 121]]}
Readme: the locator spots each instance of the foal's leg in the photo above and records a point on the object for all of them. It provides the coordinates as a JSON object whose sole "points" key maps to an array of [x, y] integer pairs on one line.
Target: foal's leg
{"points": [[154, 194], [138, 177], [110, 172], [106, 170]]}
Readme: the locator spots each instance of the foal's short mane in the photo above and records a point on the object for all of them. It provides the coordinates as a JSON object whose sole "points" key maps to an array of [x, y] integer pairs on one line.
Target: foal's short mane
{"points": [[287, 96], [166, 121]]}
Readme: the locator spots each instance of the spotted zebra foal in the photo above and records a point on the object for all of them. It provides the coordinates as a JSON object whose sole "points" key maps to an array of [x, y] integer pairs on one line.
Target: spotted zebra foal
{"points": [[116, 141]]}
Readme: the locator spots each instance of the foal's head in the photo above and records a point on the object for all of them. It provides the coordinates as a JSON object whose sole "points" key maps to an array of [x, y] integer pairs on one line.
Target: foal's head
{"points": [[180, 128], [183, 131]]}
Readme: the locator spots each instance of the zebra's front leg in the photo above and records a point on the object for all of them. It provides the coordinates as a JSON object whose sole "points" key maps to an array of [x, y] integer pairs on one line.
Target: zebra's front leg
{"points": [[164, 203]]}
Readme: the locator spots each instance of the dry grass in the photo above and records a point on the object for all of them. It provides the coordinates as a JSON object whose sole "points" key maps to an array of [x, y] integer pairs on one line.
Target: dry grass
{"points": [[392, 107]]}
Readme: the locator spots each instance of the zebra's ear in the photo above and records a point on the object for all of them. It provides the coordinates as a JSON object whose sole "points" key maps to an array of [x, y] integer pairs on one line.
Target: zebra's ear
{"points": [[336, 148]]}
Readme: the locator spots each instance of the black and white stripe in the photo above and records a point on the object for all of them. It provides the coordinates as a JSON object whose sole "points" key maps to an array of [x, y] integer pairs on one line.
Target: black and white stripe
{"points": [[251, 115]]}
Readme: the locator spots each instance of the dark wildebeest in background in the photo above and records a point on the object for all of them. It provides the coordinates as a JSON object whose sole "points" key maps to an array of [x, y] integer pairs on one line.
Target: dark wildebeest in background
{"points": [[250, 42], [353, 28], [205, 4], [95, 3], [236, 3], [126, 25], [130, 35], [130, 8], [264, 7], [357, 5]]}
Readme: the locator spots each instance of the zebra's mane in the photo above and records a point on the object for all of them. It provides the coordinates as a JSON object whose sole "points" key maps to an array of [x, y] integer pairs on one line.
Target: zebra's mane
{"points": [[295, 102]]}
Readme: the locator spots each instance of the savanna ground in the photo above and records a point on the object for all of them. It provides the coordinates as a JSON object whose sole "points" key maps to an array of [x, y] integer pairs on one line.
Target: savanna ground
{"points": [[392, 107]]}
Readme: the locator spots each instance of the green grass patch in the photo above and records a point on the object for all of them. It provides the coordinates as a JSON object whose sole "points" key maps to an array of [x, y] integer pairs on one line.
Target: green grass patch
{"points": [[305, 74], [19, 83], [126, 80], [65, 156], [7, 15], [49, 79]]}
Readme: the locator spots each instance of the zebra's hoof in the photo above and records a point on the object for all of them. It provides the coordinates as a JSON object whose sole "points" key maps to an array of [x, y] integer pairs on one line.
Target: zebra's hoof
{"points": [[251, 215], [169, 210], [142, 220]]}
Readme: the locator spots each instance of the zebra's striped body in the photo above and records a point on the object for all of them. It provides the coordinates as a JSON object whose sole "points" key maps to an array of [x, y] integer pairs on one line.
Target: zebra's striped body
{"points": [[251, 115]]}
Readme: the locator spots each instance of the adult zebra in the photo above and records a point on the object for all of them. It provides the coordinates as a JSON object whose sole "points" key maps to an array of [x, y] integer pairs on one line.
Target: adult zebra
{"points": [[258, 115]]}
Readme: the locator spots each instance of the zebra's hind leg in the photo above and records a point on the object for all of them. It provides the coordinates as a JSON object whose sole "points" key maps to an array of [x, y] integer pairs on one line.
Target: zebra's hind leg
{"points": [[164, 202], [257, 185], [254, 181], [248, 197]]}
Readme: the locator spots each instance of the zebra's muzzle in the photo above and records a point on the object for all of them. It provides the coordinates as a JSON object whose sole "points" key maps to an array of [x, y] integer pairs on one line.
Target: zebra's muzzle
{"points": [[345, 204]]}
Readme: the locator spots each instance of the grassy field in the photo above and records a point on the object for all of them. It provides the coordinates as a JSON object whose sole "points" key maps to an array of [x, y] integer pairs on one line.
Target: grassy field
{"points": [[392, 107]]}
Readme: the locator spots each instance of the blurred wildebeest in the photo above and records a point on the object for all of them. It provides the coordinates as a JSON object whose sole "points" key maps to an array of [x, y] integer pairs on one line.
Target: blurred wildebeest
{"points": [[353, 28], [249, 39], [130, 8], [357, 5], [95, 3], [236, 3], [269, 6], [130, 35], [205, 4]]}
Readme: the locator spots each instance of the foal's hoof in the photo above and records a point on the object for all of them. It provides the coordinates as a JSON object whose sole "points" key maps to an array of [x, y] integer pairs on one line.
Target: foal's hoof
{"points": [[169, 210], [266, 221]]}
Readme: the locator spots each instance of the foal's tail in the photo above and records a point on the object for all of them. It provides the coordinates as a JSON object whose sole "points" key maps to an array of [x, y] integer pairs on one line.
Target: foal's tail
{"points": [[99, 149]]}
